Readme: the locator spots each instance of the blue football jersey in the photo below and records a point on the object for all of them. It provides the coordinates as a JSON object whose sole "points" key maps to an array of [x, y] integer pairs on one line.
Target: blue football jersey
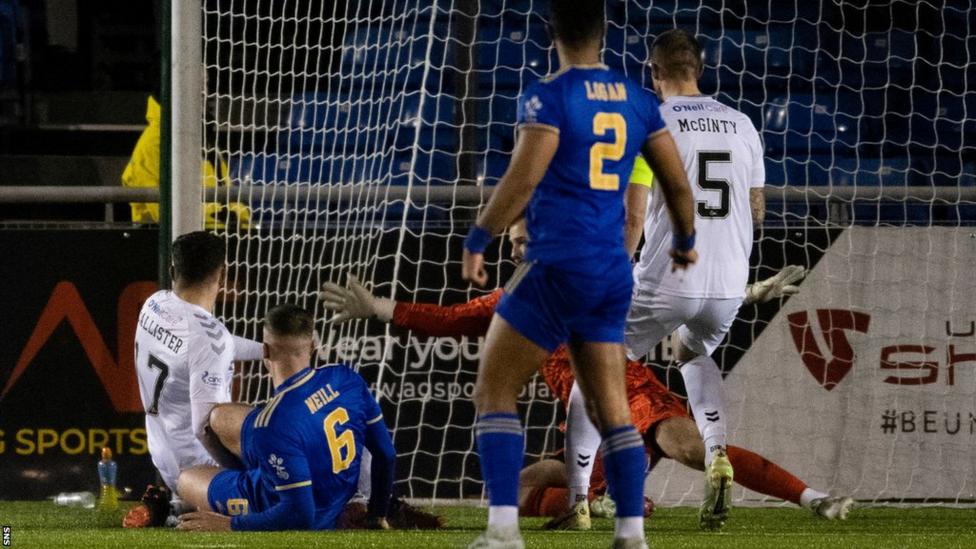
{"points": [[603, 119], [311, 433]]}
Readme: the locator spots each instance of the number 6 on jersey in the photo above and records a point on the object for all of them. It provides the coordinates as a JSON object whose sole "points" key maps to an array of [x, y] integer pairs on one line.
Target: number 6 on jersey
{"points": [[339, 442]]}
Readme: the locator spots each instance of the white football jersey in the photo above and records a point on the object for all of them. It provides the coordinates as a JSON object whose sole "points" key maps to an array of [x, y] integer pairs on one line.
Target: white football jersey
{"points": [[723, 157], [183, 356]]}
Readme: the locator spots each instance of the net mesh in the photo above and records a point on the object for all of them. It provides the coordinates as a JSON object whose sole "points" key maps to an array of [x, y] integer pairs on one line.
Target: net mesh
{"points": [[349, 124]]}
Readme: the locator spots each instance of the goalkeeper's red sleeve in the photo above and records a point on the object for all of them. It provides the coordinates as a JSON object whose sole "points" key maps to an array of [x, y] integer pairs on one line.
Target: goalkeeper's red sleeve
{"points": [[761, 475], [465, 319]]}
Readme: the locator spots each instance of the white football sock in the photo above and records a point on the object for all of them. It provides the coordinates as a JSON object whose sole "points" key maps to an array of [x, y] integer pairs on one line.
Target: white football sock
{"points": [[503, 516], [706, 396], [629, 527], [810, 495], [582, 443]]}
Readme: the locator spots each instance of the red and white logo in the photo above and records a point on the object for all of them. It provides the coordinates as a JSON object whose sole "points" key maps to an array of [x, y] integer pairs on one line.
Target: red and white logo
{"points": [[834, 323]]}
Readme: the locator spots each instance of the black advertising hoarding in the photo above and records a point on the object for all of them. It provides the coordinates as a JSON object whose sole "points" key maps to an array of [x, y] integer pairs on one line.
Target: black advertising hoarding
{"points": [[67, 382], [72, 299]]}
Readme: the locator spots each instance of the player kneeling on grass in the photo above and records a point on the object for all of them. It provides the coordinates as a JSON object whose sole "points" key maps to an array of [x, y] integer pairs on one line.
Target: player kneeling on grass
{"points": [[301, 451]]}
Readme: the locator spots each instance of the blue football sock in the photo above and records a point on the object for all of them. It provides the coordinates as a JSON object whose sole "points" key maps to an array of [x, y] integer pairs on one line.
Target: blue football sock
{"points": [[501, 447], [625, 463]]}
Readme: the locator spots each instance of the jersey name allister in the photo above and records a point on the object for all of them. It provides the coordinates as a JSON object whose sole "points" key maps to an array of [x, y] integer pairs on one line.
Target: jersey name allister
{"points": [[723, 157], [183, 355], [311, 433], [603, 119]]}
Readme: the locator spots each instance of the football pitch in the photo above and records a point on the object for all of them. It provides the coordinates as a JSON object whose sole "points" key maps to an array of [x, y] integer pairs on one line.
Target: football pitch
{"points": [[41, 524]]}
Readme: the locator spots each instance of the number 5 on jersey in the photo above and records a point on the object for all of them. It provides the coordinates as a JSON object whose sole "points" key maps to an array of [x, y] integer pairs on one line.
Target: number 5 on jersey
{"points": [[600, 151], [339, 443]]}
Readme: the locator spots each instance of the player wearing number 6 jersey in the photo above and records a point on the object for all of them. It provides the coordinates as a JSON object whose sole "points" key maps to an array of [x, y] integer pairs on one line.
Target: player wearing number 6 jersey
{"points": [[301, 450], [579, 131], [184, 356], [722, 154]]}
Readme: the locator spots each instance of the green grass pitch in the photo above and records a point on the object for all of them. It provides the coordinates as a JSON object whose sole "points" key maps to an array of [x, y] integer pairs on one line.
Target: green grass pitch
{"points": [[42, 524]]}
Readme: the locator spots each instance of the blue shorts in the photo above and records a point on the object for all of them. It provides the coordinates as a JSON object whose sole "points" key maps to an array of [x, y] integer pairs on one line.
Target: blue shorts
{"points": [[239, 492], [236, 492], [584, 301]]}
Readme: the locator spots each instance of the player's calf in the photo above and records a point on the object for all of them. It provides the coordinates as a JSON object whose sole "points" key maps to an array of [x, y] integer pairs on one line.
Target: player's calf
{"points": [[679, 439]]}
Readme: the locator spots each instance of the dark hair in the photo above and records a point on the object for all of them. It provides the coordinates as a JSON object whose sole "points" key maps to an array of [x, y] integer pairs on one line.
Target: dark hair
{"points": [[289, 320], [677, 55], [197, 256], [573, 22]]}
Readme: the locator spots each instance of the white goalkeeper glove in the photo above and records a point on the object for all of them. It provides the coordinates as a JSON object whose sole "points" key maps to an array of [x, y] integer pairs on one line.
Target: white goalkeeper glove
{"points": [[776, 286], [355, 301]]}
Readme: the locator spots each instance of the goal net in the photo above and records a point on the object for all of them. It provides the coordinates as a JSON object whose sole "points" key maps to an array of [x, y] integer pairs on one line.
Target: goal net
{"points": [[360, 135]]}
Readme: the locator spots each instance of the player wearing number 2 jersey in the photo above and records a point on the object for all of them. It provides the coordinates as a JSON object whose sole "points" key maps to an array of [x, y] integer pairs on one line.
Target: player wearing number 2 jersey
{"points": [[302, 450], [184, 356], [579, 132]]}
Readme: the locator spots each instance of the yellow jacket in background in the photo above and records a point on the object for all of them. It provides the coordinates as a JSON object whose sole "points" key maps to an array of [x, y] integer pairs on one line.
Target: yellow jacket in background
{"points": [[143, 171]]}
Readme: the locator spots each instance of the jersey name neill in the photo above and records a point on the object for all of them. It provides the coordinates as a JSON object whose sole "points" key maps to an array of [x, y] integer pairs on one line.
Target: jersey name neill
{"points": [[708, 125], [605, 91], [321, 397]]}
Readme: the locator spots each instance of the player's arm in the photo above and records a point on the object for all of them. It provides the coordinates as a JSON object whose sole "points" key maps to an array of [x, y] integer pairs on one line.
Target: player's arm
{"points": [[383, 466], [662, 156], [534, 149], [247, 349], [757, 179], [635, 202], [464, 319], [757, 204], [208, 387], [284, 464]]}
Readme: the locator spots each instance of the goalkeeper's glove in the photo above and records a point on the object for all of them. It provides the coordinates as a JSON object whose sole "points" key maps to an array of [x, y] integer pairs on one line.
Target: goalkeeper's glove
{"points": [[776, 286], [355, 301]]}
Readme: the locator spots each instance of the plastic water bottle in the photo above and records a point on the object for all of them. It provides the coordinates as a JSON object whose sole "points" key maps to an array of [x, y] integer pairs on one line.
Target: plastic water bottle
{"points": [[75, 499], [108, 501]]}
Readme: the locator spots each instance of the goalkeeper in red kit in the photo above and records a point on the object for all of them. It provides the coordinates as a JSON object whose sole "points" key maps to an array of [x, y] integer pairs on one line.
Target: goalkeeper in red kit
{"points": [[660, 417]]}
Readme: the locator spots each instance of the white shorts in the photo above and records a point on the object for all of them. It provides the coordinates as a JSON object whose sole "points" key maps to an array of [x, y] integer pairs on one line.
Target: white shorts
{"points": [[701, 322]]}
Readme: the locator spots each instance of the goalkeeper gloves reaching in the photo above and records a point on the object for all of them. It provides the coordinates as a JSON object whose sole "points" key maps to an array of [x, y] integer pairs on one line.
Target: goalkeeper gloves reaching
{"points": [[776, 286], [355, 301]]}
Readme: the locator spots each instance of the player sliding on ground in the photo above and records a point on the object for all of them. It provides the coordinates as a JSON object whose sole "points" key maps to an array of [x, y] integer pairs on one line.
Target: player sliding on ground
{"points": [[301, 451], [668, 432], [723, 155], [184, 364], [579, 131], [652, 406]]}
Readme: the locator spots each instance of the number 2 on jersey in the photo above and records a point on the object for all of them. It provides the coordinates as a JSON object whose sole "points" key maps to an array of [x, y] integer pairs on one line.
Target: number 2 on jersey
{"points": [[600, 151], [340, 441]]}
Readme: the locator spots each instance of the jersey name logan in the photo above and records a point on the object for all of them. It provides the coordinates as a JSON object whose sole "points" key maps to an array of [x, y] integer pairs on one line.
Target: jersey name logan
{"points": [[605, 91]]}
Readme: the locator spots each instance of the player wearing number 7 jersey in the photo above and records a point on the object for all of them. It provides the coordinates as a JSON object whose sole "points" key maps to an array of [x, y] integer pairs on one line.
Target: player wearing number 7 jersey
{"points": [[302, 450], [579, 131], [184, 356]]}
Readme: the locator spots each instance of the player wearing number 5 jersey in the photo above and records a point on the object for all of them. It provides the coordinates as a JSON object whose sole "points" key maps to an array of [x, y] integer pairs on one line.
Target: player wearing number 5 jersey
{"points": [[302, 450], [723, 157], [184, 356], [579, 132]]}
